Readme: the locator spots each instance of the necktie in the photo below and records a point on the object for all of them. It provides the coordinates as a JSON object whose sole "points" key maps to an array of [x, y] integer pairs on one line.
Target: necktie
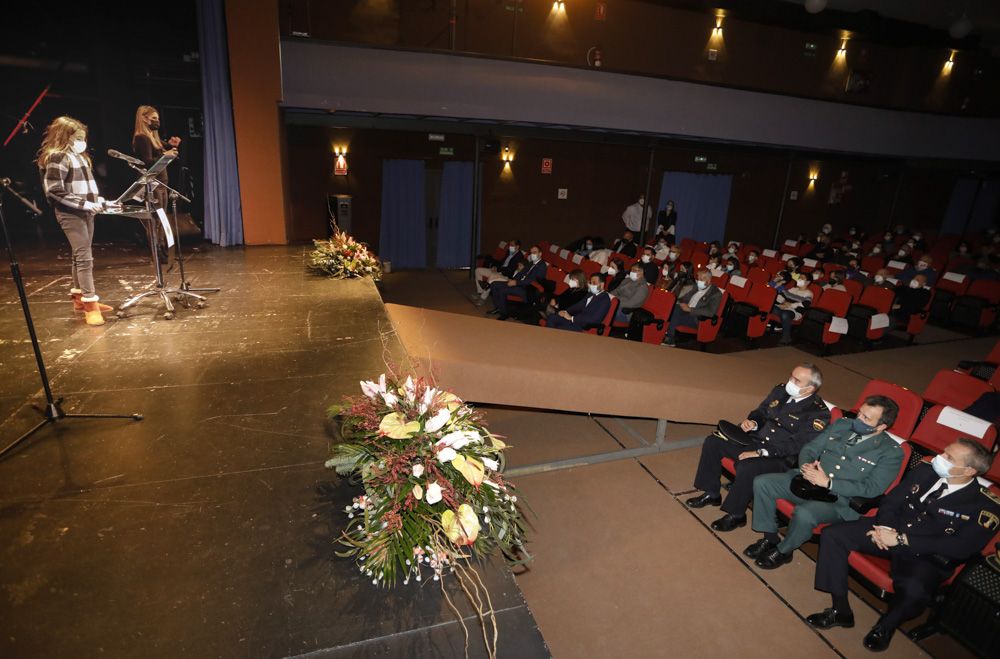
{"points": [[935, 495], [853, 439]]}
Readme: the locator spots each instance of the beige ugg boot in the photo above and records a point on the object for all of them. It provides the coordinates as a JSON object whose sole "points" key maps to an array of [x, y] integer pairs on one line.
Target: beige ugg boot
{"points": [[92, 310], [77, 296]]}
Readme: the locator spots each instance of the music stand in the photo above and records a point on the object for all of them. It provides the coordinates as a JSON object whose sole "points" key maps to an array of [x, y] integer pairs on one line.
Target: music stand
{"points": [[53, 411], [144, 186]]}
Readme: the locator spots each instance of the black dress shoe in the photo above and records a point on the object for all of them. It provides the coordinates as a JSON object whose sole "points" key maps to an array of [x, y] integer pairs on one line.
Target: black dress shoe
{"points": [[503, 316], [878, 638], [758, 548], [773, 559], [703, 500], [831, 618], [729, 522]]}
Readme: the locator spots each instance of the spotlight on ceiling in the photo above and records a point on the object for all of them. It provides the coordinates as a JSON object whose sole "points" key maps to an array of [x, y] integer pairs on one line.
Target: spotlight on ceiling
{"points": [[815, 6]]}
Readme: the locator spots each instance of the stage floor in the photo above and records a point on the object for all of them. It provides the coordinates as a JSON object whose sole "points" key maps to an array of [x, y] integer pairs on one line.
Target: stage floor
{"points": [[207, 529]]}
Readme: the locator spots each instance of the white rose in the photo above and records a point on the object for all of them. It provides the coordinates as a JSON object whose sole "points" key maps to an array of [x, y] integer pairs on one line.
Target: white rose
{"points": [[433, 493], [447, 454], [418, 470]]}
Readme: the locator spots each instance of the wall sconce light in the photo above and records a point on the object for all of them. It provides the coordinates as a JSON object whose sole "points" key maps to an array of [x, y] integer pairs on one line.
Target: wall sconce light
{"points": [[340, 163], [717, 32], [813, 177], [842, 52], [507, 156], [949, 64], [559, 5]]}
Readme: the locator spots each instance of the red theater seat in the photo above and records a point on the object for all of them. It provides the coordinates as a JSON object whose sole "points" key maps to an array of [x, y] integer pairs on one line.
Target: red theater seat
{"points": [[708, 329], [943, 425], [909, 403], [604, 328], [956, 389], [978, 308], [818, 319], [873, 301], [660, 303]]}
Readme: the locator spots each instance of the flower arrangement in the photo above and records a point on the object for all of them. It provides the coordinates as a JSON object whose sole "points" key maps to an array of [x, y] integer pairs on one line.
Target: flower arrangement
{"points": [[342, 257], [434, 496]]}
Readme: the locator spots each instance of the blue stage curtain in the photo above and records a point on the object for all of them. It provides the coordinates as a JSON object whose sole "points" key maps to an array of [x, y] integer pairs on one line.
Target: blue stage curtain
{"points": [[223, 214], [984, 214], [454, 242], [959, 206], [701, 202], [403, 236]]}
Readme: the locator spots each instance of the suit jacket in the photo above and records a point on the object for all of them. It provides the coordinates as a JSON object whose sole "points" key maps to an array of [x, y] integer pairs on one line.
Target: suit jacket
{"points": [[865, 469], [910, 271], [911, 300], [622, 247], [650, 271], [708, 305], [532, 272], [949, 531], [783, 428], [509, 265], [584, 314]]}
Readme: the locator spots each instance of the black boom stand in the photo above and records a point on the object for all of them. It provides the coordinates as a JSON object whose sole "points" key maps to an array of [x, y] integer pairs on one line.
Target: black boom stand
{"points": [[53, 411]]}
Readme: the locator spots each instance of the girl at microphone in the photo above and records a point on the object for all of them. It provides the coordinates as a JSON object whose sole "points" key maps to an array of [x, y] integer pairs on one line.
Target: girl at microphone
{"points": [[148, 147], [71, 189]]}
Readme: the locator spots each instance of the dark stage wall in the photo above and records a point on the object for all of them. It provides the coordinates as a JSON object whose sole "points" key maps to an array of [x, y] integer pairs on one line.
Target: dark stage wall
{"points": [[601, 180]]}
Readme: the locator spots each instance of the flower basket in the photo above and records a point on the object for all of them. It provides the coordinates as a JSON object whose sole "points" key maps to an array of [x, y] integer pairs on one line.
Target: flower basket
{"points": [[342, 257]]}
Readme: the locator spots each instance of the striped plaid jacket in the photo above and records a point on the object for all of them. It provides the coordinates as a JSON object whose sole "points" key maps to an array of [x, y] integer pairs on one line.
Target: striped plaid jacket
{"points": [[69, 184]]}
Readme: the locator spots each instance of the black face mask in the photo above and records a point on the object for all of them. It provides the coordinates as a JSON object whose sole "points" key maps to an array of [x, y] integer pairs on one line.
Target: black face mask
{"points": [[154, 125]]}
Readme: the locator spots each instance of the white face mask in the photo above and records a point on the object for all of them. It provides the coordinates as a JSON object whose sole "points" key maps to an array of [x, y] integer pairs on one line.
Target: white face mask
{"points": [[701, 285], [666, 272], [511, 249], [573, 284], [901, 253], [589, 247], [827, 229], [634, 276], [801, 283], [732, 250], [729, 267], [79, 146], [816, 275], [594, 289], [879, 279], [851, 232], [672, 256], [646, 258], [751, 259], [877, 250], [612, 271], [793, 389], [914, 283], [535, 258], [921, 265], [942, 466]]}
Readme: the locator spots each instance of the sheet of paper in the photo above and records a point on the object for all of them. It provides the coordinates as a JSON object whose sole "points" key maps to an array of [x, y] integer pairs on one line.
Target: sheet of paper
{"points": [[896, 265], [769, 253], [964, 423], [165, 223], [878, 321], [738, 281], [791, 243], [838, 325], [953, 276]]}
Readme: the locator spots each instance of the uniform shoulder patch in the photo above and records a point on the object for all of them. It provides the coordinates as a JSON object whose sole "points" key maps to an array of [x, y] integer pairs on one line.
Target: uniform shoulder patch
{"points": [[774, 403], [818, 424], [989, 494], [988, 520]]}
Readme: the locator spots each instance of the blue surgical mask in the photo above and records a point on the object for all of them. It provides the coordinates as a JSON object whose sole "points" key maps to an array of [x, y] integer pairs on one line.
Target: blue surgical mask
{"points": [[593, 288], [860, 427], [942, 466], [701, 285]]}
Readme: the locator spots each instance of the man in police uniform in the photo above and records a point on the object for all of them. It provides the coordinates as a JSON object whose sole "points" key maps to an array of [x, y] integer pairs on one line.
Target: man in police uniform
{"points": [[936, 519], [853, 458], [789, 418]]}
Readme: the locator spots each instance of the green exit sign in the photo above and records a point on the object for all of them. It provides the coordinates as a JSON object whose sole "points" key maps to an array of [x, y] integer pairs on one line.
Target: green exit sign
{"points": [[446, 151]]}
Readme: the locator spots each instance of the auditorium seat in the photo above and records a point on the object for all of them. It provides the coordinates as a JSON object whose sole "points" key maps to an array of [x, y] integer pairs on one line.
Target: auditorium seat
{"points": [[942, 425], [956, 389], [758, 275], [977, 308], [949, 287], [761, 297], [915, 325], [660, 303], [827, 313], [872, 264], [708, 329], [604, 328], [870, 309], [908, 401], [855, 288], [738, 287]]}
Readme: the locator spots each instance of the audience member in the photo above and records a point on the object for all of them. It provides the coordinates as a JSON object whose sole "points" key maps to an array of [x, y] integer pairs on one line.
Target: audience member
{"points": [[790, 304], [753, 259], [937, 518], [911, 298], [631, 294], [618, 274], [682, 283], [589, 311], [769, 441], [732, 267], [632, 216], [626, 244], [498, 270], [666, 219], [576, 290], [881, 278], [701, 303], [923, 267], [851, 458], [649, 268], [520, 284], [835, 282], [662, 248]]}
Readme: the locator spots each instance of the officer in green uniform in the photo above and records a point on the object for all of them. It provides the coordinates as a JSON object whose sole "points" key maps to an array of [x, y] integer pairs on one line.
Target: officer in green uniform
{"points": [[853, 458]]}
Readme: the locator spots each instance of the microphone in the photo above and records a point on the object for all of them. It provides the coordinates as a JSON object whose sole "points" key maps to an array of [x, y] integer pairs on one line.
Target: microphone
{"points": [[122, 156]]}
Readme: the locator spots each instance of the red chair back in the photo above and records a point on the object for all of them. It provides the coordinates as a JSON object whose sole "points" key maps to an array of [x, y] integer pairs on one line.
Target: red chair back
{"points": [[739, 288], [878, 298], [871, 264], [987, 289], [909, 402], [956, 389], [836, 302], [953, 282], [761, 296], [660, 303], [758, 275], [855, 288]]}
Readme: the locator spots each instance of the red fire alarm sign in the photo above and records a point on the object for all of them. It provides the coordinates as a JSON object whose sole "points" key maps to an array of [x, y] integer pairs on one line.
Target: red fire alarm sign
{"points": [[546, 165], [601, 11]]}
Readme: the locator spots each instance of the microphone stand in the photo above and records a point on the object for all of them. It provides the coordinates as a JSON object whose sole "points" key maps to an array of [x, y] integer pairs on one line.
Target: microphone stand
{"points": [[53, 411], [174, 195]]}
